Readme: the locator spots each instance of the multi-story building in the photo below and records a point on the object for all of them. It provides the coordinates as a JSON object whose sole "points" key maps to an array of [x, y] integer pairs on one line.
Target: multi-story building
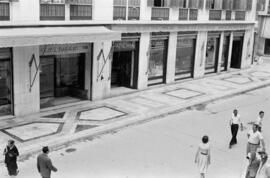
{"points": [[58, 51], [263, 32]]}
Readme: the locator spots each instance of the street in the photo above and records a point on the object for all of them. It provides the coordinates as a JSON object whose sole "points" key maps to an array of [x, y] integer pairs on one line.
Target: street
{"points": [[163, 148]]}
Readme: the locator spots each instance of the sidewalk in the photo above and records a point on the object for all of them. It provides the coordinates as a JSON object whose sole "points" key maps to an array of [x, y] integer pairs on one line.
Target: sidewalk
{"points": [[64, 125]]}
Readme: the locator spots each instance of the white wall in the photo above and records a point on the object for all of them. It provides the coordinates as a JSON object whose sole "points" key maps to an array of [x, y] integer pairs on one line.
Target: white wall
{"points": [[25, 101], [102, 10], [25, 10]]}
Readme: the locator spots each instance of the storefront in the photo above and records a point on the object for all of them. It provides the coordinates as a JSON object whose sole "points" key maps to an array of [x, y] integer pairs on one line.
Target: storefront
{"points": [[6, 91], [212, 51], [267, 47], [62, 75], [225, 52], [158, 58], [124, 72], [237, 49], [185, 54]]}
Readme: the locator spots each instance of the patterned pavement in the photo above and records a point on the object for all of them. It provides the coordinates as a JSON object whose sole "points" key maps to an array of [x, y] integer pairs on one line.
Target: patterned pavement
{"points": [[95, 117]]}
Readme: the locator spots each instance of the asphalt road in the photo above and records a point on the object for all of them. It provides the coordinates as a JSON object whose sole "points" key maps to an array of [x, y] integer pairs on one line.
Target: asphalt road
{"points": [[164, 148]]}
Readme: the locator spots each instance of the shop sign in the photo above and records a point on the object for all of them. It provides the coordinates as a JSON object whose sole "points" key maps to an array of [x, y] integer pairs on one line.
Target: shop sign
{"points": [[63, 49], [124, 46]]}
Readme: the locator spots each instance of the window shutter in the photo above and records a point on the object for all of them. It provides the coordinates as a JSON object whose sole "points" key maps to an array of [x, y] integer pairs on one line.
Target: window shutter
{"points": [[209, 4], [182, 3], [236, 4], [119, 2], [249, 5], [201, 4], [193, 4], [166, 3], [218, 4], [174, 3], [150, 3]]}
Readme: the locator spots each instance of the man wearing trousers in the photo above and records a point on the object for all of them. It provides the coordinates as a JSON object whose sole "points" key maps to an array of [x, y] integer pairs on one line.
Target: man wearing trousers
{"points": [[44, 163], [234, 123]]}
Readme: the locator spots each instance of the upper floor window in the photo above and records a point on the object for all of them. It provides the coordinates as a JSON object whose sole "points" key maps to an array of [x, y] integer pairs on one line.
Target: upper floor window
{"points": [[214, 4], [158, 3], [4, 10], [52, 9], [126, 9], [80, 9]]}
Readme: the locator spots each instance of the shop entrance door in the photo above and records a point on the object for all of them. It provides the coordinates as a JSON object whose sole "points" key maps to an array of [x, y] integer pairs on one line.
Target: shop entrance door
{"points": [[212, 51], [122, 69], [236, 53], [46, 77]]}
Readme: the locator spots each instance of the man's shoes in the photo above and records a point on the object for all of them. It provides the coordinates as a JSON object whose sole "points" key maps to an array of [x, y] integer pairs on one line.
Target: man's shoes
{"points": [[230, 146], [17, 172]]}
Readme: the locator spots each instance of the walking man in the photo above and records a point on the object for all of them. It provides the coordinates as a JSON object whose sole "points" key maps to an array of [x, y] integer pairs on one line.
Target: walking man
{"points": [[234, 123], [264, 168], [259, 121], [44, 163], [254, 139]]}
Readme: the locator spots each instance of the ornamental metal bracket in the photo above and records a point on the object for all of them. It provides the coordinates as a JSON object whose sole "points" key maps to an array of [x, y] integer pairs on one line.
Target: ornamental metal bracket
{"points": [[31, 62], [105, 60]]}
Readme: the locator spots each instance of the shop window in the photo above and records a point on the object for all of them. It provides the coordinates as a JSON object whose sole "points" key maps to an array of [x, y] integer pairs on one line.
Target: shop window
{"points": [[52, 10], [211, 54], [80, 9], [4, 11], [261, 5], [267, 47], [126, 9]]}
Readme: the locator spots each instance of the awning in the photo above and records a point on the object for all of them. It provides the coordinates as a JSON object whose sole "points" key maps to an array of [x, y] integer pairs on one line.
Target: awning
{"points": [[12, 37]]}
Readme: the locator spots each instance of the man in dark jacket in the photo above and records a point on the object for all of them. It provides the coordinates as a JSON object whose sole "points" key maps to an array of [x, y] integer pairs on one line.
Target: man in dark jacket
{"points": [[44, 163], [11, 153]]}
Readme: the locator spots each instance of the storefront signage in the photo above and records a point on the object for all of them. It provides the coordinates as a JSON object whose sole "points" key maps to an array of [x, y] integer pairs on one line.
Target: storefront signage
{"points": [[124, 46], [63, 49]]}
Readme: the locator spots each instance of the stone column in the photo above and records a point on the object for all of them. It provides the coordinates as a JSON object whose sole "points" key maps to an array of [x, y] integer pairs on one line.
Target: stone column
{"points": [[220, 51], [171, 57], [26, 101], [230, 52], [199, 63]]}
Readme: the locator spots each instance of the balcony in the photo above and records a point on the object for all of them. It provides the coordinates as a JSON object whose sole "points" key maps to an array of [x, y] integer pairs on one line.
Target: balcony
{"points": [[80, 12], [228, 15], [193, 14], [134, 13], [119, 13], [240, 15], [52, 11], [215, 14], [160, 13], [4, 11]]}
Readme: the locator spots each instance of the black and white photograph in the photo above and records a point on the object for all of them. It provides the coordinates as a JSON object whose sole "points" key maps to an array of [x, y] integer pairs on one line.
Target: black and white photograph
{"points": [[134, 88]]}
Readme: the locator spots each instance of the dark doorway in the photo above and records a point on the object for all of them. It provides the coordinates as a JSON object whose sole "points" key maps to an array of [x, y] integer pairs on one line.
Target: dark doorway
{"points": [[122, 69], [236, 53]]}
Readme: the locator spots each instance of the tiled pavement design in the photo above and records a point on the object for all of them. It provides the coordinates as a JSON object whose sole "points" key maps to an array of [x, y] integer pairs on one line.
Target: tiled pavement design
{"points": [[66, 124]]}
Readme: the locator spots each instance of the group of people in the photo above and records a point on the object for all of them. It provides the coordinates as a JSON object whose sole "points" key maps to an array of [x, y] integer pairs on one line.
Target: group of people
{"points": [[44, 163], [258, 166]]}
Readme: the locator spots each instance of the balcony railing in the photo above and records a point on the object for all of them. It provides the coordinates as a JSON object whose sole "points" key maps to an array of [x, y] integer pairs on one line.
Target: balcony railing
{"points": [[119, 13], [52, 11], [193, 14], [228, 15], [80, 12], [4, 11], [183, 14], [215, 14], [133, 13], [240, 15], [160, 13]]}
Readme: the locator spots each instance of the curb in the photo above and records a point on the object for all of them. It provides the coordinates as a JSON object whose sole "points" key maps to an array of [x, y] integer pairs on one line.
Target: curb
{"points": [[67, 140]]}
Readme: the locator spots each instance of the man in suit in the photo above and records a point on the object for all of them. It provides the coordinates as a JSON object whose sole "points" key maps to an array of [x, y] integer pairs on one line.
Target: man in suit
{"points": [[44, 164]]}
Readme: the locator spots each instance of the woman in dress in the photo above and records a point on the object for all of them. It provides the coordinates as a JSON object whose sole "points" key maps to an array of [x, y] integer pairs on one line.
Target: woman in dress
{"points": [[11, 153], [202, 158]]}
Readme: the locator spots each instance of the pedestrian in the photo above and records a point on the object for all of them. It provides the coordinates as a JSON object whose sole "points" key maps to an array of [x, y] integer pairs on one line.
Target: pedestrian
{"points": [[234, 123], [44, 164], [253, 165], [255, 138], [11, 153], [202, 158], [259, 120], [264, 168]]}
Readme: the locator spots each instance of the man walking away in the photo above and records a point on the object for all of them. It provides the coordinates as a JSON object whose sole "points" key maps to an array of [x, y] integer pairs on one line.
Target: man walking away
{"points": [[234, 123], [44, 163]]}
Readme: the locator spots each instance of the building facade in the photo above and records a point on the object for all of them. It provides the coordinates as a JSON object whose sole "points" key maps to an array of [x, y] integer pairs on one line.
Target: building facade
{"points": [[61, 51]]}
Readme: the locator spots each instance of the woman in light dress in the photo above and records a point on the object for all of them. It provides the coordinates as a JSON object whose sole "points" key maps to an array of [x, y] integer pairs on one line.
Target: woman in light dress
{"points": [[202, 158]]}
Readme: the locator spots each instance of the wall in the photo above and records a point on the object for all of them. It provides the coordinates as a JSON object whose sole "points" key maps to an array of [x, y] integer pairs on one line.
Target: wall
{"points": [[247, 48], [25, 101], [102, 10], [171, 57]]}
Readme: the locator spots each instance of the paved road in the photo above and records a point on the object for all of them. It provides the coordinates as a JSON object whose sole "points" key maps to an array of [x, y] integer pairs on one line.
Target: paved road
{"points": [[163, 148]]}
